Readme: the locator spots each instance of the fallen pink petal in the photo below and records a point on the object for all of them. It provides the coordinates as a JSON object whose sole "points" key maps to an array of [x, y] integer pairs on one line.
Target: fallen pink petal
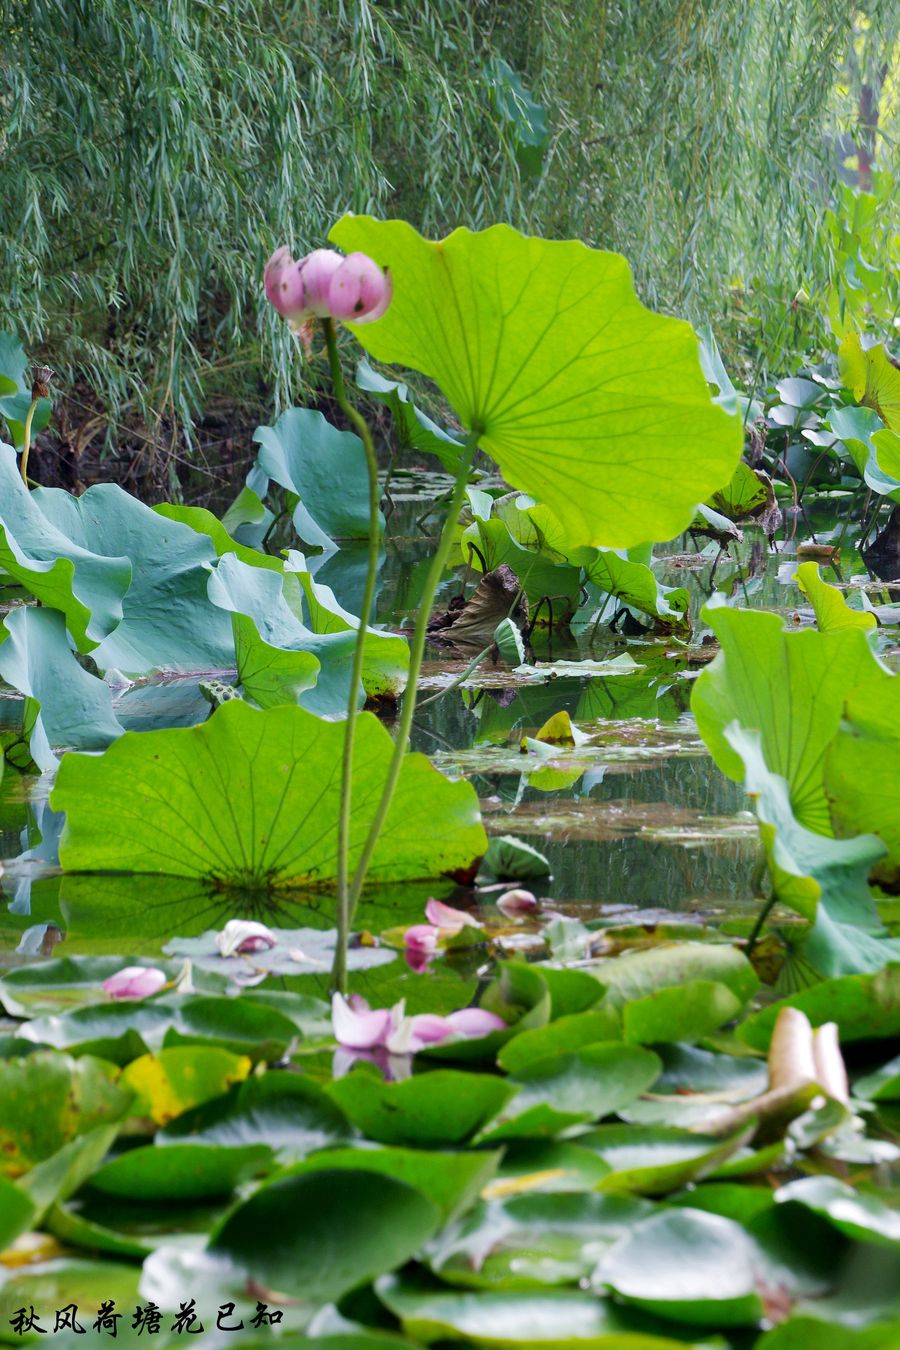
{"points": [[448, 919], [135, 982]]}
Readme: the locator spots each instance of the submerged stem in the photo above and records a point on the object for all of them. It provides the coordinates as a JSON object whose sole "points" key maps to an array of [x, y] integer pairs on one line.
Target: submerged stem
{"points": [[344, 905], [436, 571], [26, 442]]}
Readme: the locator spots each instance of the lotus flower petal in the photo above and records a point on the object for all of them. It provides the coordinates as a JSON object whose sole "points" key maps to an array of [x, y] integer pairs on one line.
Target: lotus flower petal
{"points": [[241, 936], [516, 903], [316, 271], [473, 1022], [284, 285], [359, 1028], [359, 290], [447, 918], [135, 982]]}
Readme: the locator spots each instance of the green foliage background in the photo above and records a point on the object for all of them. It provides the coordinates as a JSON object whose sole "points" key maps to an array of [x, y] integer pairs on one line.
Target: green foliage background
{"points": [[152, 154]]}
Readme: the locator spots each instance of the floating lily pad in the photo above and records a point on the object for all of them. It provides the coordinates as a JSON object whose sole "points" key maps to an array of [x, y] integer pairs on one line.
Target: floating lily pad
{"points": [[336, 1229], [442, 1107], [687, 1265]]}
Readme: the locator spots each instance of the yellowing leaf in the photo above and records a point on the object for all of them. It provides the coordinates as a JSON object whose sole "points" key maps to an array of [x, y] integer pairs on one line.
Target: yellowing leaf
{"points": [[174, 1080]]}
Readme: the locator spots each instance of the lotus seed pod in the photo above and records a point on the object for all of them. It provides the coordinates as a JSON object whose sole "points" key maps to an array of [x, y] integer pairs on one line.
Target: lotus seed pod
{"points": [[791, 1059], [316, 271], [831, 1073], [284, 285], [360, 291]]}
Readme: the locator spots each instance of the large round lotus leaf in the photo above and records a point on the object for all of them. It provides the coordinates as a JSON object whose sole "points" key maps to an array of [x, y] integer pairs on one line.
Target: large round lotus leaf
{"points": [[444, 1107], [687, 1265], [252, 797], [47, 1099], [588, 401], [335, 1230]]}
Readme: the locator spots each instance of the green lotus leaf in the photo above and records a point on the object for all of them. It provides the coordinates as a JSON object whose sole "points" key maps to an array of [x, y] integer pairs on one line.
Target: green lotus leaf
{"points": [[325, 468], [686, 1012], [17, 1212], [15, 391], [88, 588], [873, 378], [64, 704], [864, 1006], [658, 1159], [882, 1085], [443, 1107], [639, 974], [563, 1319], [415, 431], [687, 1265], [252, 797], [874, 449], [861, 769], [451, 1181], [287, 1111], [168, 622], [531, 1241], [745, 494], [562, 1036], [857, 1214], [787, 686], [181, 1172], [47, 1099], [831, 608], [821, 878], [584, 398], [336, 1229], [565, 1090]]}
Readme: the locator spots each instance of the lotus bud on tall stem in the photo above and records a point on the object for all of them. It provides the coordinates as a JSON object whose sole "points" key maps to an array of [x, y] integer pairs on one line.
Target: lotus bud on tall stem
{"points": [[40, 388]]}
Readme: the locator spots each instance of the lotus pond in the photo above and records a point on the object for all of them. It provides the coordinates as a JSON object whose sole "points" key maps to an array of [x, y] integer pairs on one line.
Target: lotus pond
{"points": [[519, 969]]}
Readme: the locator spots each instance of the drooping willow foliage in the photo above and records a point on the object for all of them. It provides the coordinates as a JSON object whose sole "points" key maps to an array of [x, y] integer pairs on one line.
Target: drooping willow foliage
{"points": [[153, 153]]}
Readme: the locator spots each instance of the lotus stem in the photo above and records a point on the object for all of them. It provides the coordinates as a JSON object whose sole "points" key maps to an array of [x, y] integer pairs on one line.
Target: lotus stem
{"points": [[417, 651], [26, 441], [344, 905]]}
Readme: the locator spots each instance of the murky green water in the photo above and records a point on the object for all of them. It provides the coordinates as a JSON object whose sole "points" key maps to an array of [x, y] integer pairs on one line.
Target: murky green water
{"points": [[637, 818]]}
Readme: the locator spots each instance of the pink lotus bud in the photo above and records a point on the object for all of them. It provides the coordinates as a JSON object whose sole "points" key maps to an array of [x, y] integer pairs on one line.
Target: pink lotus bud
{"points": [[135, 982], [283, 284], [360, 291], [316, 271], [242, 936], [516, 903], [448, 919]]}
